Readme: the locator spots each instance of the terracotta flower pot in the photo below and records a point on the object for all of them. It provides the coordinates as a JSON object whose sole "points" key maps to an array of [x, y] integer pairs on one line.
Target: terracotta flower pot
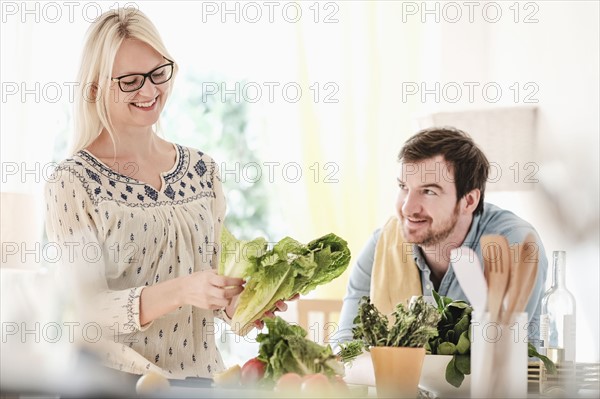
{"points": [[397, 371]]}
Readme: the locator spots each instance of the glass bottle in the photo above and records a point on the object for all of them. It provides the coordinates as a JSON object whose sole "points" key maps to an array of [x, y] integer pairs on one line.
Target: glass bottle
{"points": [[557, 332]]}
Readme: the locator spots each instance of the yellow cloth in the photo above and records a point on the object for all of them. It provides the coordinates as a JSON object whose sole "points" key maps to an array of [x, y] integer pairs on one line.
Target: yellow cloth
{"points": [[395, 277]]}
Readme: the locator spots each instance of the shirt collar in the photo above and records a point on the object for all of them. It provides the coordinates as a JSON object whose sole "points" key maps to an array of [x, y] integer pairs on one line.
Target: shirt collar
{"points": [[419, 258]]}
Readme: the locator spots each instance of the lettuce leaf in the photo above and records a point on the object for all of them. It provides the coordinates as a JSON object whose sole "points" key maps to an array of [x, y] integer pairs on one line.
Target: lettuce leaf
{"points": [[260, 290], [238, 258], [332, 257]]}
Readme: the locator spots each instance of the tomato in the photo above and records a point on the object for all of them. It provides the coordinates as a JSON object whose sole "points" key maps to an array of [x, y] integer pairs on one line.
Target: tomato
{"points": [[289, 382], [316, 385], [253, 371]]}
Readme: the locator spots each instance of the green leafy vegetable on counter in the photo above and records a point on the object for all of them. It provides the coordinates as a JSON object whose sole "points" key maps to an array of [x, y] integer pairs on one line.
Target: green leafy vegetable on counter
{"points": [[286, 349], [413, 326], [453, 337], [289, 268]]}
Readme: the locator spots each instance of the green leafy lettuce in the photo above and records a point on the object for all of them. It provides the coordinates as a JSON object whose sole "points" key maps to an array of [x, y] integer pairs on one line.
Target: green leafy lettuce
{"points": [[289, 268], [285, 349]]}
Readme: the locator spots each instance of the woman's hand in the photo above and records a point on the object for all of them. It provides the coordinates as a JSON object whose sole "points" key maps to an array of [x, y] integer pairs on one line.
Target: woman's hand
{"points": [[208, 290], [280, 306]]}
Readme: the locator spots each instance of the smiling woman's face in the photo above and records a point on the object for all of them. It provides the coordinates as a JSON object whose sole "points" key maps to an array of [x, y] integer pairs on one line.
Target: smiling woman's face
{"points": [[140, 108]]}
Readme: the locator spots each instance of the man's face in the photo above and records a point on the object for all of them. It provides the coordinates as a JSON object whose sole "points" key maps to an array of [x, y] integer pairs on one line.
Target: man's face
{"points": [[426, 203]]}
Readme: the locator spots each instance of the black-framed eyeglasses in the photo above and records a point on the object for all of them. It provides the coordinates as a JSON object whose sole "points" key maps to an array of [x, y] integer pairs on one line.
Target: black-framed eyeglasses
{"points": [[135, 81]]}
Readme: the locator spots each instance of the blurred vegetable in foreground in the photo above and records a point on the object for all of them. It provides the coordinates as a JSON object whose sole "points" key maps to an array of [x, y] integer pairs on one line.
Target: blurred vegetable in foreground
{"points": [[285, 349]]}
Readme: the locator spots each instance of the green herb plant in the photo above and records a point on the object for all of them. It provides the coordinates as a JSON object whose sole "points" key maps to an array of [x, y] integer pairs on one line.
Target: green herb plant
{"points": [[413, 326]]}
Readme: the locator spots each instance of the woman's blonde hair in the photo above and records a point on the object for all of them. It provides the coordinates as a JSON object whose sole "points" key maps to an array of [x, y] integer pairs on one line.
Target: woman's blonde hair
{"points": [[103, 39]]}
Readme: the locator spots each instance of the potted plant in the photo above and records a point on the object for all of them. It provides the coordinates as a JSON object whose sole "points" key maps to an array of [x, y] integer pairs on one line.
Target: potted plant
{"points": [[398, 351]]}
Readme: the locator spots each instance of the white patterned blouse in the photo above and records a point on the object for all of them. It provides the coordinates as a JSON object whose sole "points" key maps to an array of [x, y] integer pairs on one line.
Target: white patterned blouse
{"points": [[124, 235]]}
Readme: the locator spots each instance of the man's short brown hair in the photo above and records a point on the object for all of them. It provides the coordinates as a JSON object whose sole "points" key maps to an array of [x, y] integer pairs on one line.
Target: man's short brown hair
{"points": [[467, 161]]}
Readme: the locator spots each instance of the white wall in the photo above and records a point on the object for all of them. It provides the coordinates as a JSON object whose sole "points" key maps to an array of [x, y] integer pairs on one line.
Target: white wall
{"points": [[558, 55]]}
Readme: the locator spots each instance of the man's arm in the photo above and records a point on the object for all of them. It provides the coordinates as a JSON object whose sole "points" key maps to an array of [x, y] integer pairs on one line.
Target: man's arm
{"points": [[359, 285]]}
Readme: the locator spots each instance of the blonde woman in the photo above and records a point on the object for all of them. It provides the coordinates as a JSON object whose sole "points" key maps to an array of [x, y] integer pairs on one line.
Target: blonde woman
{"points": [[151, 209]]}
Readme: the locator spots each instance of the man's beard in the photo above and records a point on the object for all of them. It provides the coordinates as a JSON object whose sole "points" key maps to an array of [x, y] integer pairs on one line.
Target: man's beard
{"points": [[433, 237]]}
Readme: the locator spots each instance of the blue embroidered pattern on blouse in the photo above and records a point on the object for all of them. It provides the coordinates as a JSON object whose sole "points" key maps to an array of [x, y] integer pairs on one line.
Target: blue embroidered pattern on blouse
{"points": [[169, 192], [150, 192], [132, 192], [93, 176], [200, 168], [182, 165]]}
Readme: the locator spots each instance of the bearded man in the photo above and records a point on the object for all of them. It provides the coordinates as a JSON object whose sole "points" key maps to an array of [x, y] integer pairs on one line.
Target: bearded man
{"points": [[440, 206]]}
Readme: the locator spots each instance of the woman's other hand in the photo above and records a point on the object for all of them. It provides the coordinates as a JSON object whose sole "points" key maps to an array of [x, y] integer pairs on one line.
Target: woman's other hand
{"points": [[280, 306], [209, 290]]}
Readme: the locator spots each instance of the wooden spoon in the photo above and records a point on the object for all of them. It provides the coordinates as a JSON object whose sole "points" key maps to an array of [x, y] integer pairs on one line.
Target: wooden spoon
{"points": [[523, 277], [495, 251], [496, 258]]}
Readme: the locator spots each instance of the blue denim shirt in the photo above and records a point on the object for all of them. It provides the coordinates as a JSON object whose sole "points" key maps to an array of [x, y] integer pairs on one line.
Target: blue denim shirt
{"points": [[493, 220]]}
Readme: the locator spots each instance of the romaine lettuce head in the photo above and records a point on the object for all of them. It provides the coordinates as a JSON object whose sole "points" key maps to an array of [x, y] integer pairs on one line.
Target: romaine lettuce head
{"points": [[286, 270]]}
